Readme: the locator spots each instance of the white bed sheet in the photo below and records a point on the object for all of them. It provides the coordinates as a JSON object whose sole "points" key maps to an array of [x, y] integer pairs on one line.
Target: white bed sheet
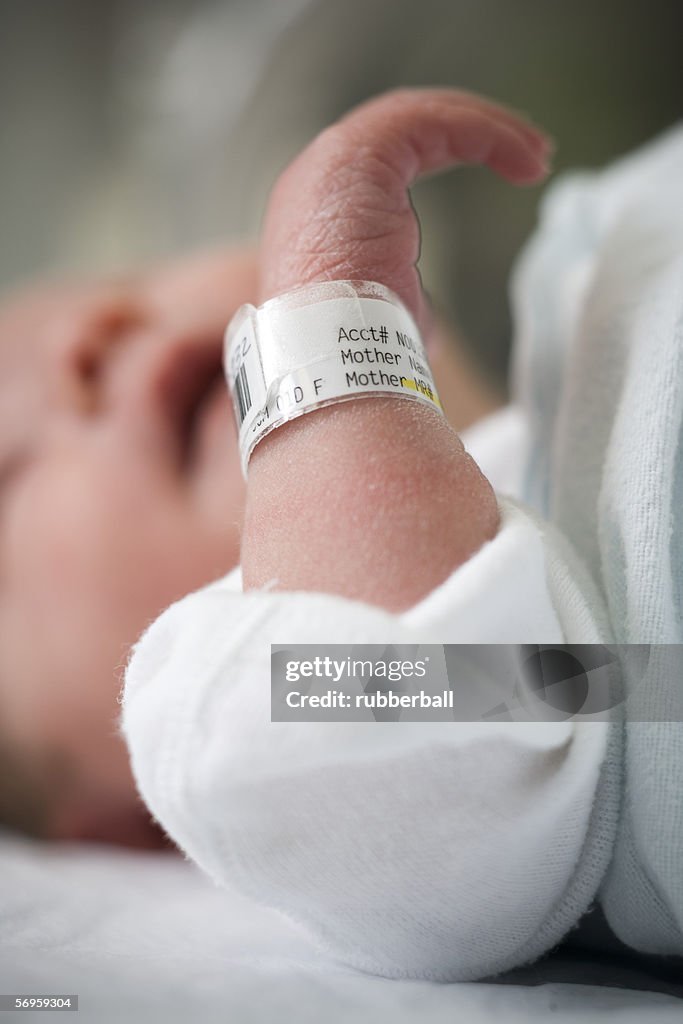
{"points": [[146, 937]]}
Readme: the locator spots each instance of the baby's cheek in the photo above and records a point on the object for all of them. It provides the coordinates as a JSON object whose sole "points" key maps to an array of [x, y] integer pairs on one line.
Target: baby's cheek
{"points": [[64, 578]]}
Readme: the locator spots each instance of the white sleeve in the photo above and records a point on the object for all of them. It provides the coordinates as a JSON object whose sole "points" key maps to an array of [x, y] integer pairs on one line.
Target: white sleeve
{"points": [[412, 849]]}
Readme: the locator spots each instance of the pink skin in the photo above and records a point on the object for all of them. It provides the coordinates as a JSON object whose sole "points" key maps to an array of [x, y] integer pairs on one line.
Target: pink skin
{"points": [[389, 480]]}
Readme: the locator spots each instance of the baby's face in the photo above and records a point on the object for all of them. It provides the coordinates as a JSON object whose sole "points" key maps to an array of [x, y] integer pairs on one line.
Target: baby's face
{"points": [[120, 491]]}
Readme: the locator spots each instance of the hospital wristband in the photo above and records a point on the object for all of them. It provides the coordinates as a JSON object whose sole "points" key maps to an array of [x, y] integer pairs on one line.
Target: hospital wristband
{"points": [[317, 345]]}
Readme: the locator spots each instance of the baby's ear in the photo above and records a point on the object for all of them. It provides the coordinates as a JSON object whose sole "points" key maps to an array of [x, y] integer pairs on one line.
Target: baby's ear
{"points": [[342, 210]]}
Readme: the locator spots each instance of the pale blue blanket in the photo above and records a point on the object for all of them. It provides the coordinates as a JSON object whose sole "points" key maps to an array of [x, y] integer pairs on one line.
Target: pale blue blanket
{"points": [[598, 370]]}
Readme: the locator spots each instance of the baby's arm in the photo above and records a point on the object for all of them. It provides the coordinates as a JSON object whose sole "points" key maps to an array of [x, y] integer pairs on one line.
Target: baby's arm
{"points": [[338, 498], [416, 849]]}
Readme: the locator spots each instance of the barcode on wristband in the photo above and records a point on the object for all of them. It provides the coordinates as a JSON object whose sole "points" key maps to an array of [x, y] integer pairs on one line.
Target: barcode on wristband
{"points": [[243, 394], [244, 373]]}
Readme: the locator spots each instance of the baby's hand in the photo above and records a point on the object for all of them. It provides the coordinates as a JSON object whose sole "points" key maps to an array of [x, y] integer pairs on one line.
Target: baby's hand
{"points": [[377, 499]]}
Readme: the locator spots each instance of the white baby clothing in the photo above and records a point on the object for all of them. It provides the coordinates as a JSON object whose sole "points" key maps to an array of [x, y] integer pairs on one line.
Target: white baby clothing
{"points": [[436, 850], [457, 851]]}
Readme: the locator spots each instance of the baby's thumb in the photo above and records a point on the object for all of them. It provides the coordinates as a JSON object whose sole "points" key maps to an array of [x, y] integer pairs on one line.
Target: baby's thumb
{"points": [[341, 210]]}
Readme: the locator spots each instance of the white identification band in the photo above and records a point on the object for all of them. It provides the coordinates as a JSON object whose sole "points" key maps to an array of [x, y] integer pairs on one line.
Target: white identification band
{"points": [[317, 345]]}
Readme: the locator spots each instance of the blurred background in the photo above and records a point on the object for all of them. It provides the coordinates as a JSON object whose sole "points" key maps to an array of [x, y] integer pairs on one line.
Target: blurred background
{"points": [[135, 129]]}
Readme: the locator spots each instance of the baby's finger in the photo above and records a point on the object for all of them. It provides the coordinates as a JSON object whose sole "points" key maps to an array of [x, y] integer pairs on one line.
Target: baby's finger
{"points": [[533, 133], [442, 128]]}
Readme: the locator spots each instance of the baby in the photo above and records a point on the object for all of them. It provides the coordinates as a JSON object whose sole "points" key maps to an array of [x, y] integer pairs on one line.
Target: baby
{"points": [[122, 489], [426, 849]]}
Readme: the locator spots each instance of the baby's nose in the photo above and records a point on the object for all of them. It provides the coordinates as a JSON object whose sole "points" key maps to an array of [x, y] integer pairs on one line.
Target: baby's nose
{"points": [[84, 341]]}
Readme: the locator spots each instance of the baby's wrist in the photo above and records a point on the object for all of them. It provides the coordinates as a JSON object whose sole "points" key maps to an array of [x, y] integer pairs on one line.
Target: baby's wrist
{"points": [[320, 344], [375, 499]]}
